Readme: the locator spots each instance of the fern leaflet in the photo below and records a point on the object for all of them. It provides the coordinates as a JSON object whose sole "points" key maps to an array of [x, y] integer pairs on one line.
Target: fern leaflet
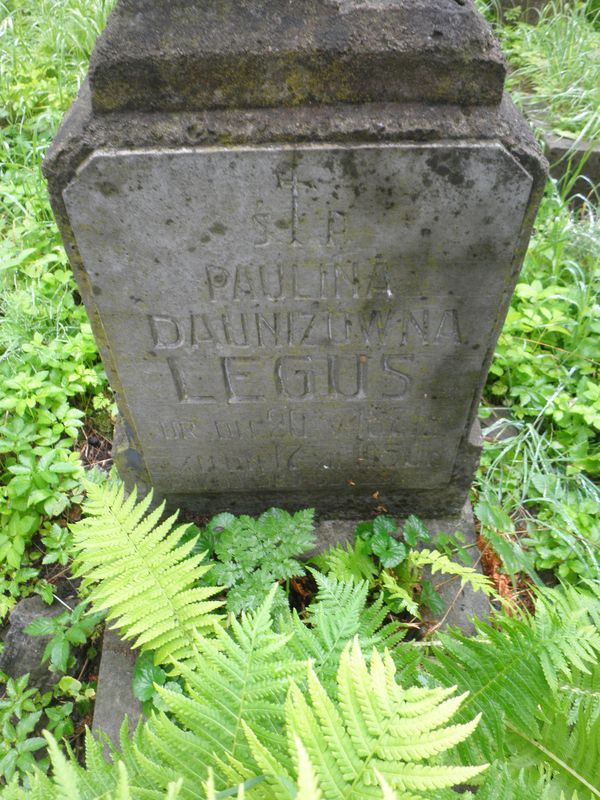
{"points": [[510, 670], [239, 675], [438, 562]]}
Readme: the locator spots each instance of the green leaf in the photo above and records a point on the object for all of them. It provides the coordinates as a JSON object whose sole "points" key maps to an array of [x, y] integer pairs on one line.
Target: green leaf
{"points": [[415, 530], [146, 673], [33, 744], [493, 516], [59, 654], [43, 626], [383, 524], [69, 685], [390, 551], [77, 634], [364, 530], [432, 599]]}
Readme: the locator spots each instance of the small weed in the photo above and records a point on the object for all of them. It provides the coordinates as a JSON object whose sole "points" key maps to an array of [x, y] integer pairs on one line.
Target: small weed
{"points": [[68, 630], [250, 554]]}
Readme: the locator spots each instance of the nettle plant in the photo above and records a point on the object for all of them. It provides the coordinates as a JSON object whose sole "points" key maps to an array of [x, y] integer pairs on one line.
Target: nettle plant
{"points": [[332, 703]]}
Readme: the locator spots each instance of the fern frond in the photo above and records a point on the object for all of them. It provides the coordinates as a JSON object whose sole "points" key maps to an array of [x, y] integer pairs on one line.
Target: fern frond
{"points": [[241, 674], [438, 562], [338, 613], [575, 612], [137, 569], [351, 562], [569, 752], [582, 694], [376, 725], [511, 666], [503, 783], [400, 594], [69, 781], [308, 785]]}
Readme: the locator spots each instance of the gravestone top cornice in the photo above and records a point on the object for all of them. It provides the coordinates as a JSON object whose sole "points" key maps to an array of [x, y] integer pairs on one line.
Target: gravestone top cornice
{"points": [[192, 55]]}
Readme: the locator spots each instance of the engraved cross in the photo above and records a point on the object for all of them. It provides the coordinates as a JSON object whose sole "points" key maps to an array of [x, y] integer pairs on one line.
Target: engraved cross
{"points": [[291, 181]]}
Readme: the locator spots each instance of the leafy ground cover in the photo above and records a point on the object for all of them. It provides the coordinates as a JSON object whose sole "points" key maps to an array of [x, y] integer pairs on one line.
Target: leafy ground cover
{"points": [[536, 497], [335, 702], [539, 490]]}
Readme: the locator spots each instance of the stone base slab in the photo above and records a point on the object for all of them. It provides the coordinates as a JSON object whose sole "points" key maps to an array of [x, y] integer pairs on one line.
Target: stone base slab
{"points": [[461, 604], [114, 697]]}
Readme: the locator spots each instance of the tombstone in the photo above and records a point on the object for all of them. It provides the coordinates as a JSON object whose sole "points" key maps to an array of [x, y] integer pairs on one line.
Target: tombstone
{"points": [[296, 227]]}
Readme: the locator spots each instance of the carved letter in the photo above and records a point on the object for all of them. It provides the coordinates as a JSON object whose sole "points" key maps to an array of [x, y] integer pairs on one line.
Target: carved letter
{"points": [[294, 381], [263, 325], [234, 375], [336, 224], [261, 221], [230, 333], [352, 281], [267, 292], [217, 278], [377, 320], [403, 380], [361, 377], [166, 332], [448, 330], [200, 324], [422, 328], [379, 280], [242, 285], [181, 385]]}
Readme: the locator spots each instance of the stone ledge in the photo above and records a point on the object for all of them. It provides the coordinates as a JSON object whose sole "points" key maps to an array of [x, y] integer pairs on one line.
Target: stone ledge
{"points": [[178, 55], [566, 156], [114, 696]]}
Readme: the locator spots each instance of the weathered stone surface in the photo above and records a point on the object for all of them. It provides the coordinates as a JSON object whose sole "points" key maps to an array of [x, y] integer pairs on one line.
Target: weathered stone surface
{"points": [[184, 55], [396, 231], [22, 653], [114, 698], [325, 347]]}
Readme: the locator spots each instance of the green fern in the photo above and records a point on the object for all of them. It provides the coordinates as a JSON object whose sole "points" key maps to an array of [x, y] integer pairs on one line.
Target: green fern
{"points": [[582, 693], [140, 572], [569, 753], [401, 598], [338, 613], [376, 728], [251, 723], [502, 783], [438, 562], [511, 671], [575, 614], [241, 674], [234, 710], [352, 562], [70, 782]]}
